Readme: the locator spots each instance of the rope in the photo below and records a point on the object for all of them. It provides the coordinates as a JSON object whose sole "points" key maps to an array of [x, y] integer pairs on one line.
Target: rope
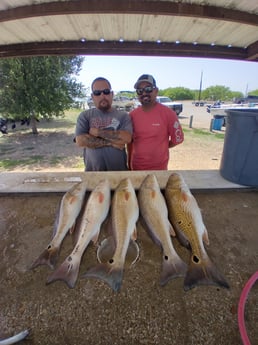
{"points": [[241, 308]]}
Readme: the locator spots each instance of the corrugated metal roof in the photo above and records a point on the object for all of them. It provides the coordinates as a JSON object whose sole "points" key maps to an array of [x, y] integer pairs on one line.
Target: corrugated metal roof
{"points": [[214, 28]]}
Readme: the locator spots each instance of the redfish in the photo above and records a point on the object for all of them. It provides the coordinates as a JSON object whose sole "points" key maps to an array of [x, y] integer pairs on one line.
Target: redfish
{"points": [[153, 210], [93, 215], [69, 209], [186, 217], [124, 215]]}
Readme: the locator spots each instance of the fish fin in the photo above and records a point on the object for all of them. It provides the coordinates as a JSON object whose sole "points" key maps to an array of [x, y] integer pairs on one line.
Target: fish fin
{"points": [[181, 236], [95, 238], [203, 272], [72, 229], [171, 230], [48, 257], [172, 269], [184, 196], [145, 226], [106, 249], [105, 272], [205, 237], [134, 235], [67, 272]]}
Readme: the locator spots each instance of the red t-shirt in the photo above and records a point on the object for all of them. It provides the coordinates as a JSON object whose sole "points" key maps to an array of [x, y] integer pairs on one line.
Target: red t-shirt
{"points": [[152, 131]]}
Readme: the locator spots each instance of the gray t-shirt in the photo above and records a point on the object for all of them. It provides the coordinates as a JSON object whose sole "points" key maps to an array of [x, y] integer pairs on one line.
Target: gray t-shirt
{"points": [[104, 158]]}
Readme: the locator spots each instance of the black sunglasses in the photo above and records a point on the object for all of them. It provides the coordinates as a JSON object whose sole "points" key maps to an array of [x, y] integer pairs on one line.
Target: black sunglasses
{"points": [[146, 89], [99, 92]]}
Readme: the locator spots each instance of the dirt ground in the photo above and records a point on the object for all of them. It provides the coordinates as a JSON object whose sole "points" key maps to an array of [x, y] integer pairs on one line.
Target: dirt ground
{"points": [[143, 312], [53, 149]]}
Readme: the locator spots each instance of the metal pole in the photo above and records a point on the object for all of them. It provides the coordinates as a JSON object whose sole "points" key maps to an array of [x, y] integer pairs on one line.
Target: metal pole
{"points": [[191, 121], [211, 125]]}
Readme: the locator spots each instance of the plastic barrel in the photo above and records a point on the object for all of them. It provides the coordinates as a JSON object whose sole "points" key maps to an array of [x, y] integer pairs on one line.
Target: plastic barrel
{"points": [[218, 122], [239, 161]]}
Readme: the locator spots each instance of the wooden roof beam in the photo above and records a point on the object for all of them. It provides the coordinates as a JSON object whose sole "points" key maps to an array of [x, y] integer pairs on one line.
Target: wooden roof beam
{"points": [[167, 8], [126, 49]]}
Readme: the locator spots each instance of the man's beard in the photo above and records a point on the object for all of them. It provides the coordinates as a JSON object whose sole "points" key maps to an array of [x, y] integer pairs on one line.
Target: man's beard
{"points": [[145, 100], [104, 105]]}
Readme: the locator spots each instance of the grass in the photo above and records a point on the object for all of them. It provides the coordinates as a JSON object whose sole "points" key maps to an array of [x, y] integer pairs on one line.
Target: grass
{"points": [[79, 165], [53, 146], [13, 163], [8, 164], [195, 132]]}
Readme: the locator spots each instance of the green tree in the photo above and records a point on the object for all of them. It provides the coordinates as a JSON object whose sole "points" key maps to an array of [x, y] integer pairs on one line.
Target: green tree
{"points": [[236, 94], [253, 93], [218, 92], [177, 93], [38, 87]]}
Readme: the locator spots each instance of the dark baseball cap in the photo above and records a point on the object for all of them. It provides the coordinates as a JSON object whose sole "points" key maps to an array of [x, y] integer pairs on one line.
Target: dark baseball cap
{"points": [[147, 78]]}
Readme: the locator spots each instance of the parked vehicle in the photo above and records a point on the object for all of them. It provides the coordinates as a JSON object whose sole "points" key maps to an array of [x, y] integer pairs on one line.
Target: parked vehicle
{"points": [[3, 126], [249, 99], [119, 102], [216, 104], [199, 103], [176, 106], [5, 122]]}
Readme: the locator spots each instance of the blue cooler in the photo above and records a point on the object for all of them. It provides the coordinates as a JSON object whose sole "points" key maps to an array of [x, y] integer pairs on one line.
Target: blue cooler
{"points": [[217, 122]]}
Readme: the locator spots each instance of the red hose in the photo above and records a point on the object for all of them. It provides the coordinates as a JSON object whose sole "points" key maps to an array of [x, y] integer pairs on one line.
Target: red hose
{"points": [[241, 308]]}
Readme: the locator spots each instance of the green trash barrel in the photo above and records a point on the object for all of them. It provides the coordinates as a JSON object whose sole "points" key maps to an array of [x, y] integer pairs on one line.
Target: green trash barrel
{"points": [[239, 163]]}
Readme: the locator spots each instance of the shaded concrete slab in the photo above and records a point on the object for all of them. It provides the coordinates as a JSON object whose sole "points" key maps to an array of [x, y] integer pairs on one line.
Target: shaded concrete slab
{"points": [[143, 312], [45, 182]]}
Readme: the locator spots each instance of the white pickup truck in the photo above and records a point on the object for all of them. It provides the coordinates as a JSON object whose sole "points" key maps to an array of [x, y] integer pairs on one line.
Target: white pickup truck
{"points": [[177, 107], [119, 102]]}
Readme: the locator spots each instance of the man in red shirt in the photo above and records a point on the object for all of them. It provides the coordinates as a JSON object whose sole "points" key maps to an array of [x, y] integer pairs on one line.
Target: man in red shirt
{"points": [[155, 129]]}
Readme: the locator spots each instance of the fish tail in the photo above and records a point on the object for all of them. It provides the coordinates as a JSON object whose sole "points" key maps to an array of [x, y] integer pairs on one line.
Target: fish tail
{"points": [[110, 275], [67, 272], [48, 257], [172, 268], [203, 272]]}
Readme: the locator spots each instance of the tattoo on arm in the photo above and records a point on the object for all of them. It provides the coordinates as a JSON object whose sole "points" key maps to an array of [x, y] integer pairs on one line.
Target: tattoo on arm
{"points": [[120, 137], [109, 135], [86, 140]]}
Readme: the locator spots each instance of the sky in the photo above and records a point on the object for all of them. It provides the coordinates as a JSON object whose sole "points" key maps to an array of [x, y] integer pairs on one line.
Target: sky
{"points": [[123, 71]]}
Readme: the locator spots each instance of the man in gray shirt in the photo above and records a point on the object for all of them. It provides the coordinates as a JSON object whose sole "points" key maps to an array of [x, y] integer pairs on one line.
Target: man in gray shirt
{"points": [[103, 132]]}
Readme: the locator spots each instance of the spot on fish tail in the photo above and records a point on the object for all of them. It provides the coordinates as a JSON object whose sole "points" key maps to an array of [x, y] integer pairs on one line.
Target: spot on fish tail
{"points": [[195, 259], [101, 197]]}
